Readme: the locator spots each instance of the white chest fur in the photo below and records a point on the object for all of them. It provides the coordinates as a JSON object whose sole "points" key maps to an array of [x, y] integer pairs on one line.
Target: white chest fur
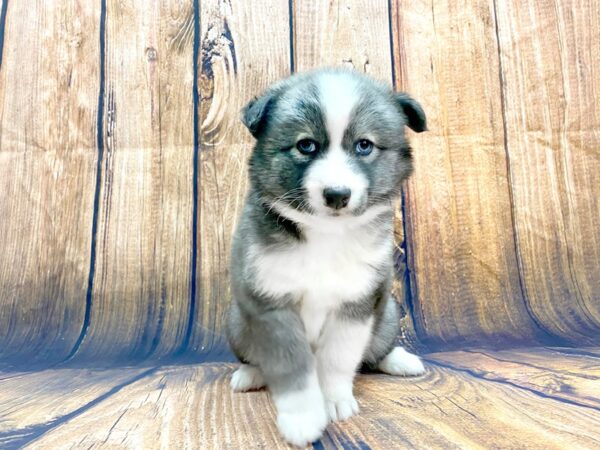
{"points": [[329, 267]]}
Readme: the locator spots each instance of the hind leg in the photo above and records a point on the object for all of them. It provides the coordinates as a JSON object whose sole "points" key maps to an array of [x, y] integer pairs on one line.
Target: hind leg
{"points": [[247, 378], [400, 362], [382, 353]]}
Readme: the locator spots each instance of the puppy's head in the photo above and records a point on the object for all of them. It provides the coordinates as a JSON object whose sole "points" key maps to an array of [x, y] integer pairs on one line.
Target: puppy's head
{"points": [[330, 143]]}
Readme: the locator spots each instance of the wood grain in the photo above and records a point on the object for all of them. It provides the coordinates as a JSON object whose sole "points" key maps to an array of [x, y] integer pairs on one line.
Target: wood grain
{"points": [[31, 403], [193, 407], [354, 34], [551, 83], [574, 379], [593, 352], [241, 53], [3, 13], [351, 33], [123, 166], [464, 277], [49, 85], [142, 276]]}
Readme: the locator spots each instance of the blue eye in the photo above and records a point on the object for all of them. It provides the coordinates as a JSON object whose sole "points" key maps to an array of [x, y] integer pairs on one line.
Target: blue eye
{"points": [[307, 146], [364, 147]]}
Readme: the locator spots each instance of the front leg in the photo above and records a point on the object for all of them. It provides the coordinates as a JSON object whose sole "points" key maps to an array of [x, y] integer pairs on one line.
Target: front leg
{"points": [[274, 342], [339, 352]]}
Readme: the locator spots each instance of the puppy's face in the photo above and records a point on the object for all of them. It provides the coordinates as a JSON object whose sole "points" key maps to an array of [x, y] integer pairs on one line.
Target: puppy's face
{"points": [[330, 143]]}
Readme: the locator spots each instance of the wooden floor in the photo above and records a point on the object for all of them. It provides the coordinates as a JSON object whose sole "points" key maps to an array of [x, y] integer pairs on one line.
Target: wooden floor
{"points": [[123, 172], [529, 398]]}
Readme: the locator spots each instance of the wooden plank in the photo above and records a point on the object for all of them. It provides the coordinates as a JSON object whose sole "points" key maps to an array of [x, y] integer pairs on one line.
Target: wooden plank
{"points": [[193, 407], [579, 360], [3, 13], [355, 34], [572, 378], [32, 403], [463, 266], [178, 407], [584, 352], [551, 92], [450, 409], [242, 52], [142, 275], [49, 83]]}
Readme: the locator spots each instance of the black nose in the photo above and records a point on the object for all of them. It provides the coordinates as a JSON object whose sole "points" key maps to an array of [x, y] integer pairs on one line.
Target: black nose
{"points": [[337, 198]]}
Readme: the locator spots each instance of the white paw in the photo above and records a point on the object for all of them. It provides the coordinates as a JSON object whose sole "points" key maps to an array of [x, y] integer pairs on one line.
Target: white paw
{"points": [[342, 409], [301, 416], [246, 378], [302, 427], [400, 362]]}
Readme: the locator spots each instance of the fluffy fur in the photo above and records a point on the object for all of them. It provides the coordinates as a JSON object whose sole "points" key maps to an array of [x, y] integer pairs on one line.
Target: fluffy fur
{"points": [[311, 282]]}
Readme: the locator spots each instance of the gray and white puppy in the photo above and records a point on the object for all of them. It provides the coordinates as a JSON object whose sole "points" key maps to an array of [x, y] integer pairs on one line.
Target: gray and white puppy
{"points": [[312, 254]]}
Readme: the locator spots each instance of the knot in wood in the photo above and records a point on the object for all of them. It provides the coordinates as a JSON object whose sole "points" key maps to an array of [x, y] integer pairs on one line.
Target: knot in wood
{"points": [[151, 54]]}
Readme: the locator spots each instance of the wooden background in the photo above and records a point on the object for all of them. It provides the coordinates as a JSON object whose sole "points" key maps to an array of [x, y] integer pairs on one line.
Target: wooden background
{"points": [[122, 166]]}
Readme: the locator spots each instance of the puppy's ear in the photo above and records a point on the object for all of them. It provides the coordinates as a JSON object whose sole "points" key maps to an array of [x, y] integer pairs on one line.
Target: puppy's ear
{"points": [[255, 113], [415, 115]]}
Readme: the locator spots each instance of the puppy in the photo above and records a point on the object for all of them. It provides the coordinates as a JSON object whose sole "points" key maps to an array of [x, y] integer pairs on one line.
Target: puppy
{"points": [[312, 254]]}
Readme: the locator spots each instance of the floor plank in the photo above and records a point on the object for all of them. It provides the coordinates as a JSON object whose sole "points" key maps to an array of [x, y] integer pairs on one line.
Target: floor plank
{"points": [[193, 407], [33, 402], [451, 409], [574, 379]]}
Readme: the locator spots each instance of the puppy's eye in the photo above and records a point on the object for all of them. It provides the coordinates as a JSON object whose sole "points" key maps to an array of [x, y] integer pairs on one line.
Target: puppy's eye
{"points": [[307, 146], [364, 147]]}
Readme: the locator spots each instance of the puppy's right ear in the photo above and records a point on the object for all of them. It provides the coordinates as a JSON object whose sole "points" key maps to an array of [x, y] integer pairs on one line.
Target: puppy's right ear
{"points": [[255, 113]]}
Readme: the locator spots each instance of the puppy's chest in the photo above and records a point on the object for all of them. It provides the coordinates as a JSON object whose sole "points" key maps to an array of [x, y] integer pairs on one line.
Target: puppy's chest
{"points": [[325, 270]]}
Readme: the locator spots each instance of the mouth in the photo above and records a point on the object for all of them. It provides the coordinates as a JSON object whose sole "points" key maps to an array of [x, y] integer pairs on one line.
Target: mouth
{"points": [[302, 203], [329, 218], [324, 211]]}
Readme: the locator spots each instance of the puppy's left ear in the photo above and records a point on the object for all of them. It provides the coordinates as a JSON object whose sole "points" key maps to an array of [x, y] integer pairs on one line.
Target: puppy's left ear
{"points": [[415, 116], [255, 113]]}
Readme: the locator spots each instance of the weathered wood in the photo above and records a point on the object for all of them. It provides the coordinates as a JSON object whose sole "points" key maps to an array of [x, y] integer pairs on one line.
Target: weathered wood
{"points": [[352, 33], [241, 53], [49, 83], [586, 351], [193, 407], [3, 13], [32, 403], [140, 296], [106, 215], [551, 81], [572, 378], [464, 278]]}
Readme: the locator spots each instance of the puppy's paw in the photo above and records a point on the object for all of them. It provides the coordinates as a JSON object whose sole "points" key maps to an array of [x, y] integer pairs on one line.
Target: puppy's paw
{"points": [[400, 362], [342, 409], [246, 378], [302, 427]]}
